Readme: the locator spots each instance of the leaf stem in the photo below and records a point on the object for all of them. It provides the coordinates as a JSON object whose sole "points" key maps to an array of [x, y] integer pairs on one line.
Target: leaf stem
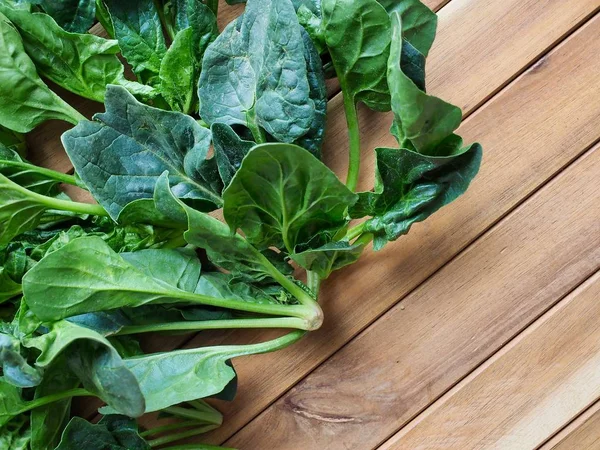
{"points": [[279, 322], [170, 427], [76, 207], [179, 436], [208, 415], [356, 231], [195, 447], [257, 132], [52, 174], [272, 345], [53, 398], [314, 282], [354, 140]]}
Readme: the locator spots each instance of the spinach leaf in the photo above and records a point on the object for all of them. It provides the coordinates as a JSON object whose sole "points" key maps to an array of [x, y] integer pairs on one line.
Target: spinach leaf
{"points": [[95, 362], [12, 141], [270, 90], [81, 63], [16, 434], [139, 32], [138, 144], [358, 35], [26, 100], [15, 368], [113, 432], [72, 15], [194, 27], [11, 403], [8, 287], [282, 196], [48, 421], [229, 149], [103, 17], [26, 175], [329, 257]]}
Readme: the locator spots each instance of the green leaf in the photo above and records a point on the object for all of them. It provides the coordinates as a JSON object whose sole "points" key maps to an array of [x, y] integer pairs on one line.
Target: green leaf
{"points": [[329, 257], [25, 174], [72, 15], [48, 421], [11, 403], [358, 36], [103, 17], [138, 144], [270, 89], [283, 196], [12, 141], [16, 434], [26, 100], [8, 287], [15, 368], [230, 150], [421, 122], [419, 23], [139, 32], [95, 362], [410, 187], [113, 432], [81, 63]]}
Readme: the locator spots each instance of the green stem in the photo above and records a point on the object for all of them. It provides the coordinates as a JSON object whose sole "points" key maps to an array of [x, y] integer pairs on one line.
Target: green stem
{"points": [[208, 416], [255, 129], [76, 207], [314, 282], [272, 345], [354, 140], [179, 436], [279, 322], [36, 403], [356, 231], [52, 174], [170, 427], [195, 447]]}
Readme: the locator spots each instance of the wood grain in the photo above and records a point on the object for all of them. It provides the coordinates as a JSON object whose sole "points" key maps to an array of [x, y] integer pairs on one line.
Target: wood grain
{"points": [[536, 385], [523, 147], [447, 327], [582, 433]]}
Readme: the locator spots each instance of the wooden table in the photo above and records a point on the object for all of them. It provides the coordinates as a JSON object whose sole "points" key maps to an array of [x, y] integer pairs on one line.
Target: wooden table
{"points": [[481, 328]]}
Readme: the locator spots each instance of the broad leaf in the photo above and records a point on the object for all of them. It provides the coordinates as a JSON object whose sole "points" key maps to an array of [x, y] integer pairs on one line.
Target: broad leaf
{"points": [[139, 32], [283, 196], [138, 144], [81, 63], [26, 100], [72, 15], [95, 362], [358, 36], [113, 432], [11, 403], [421, 122], [270, 90]]}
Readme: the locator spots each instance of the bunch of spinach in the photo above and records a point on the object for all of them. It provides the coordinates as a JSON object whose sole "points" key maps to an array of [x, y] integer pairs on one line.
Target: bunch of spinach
{"points": [[215, 125]]}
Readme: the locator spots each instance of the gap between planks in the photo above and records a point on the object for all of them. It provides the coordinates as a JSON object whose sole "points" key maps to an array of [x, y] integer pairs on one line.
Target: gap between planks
{"points": [[521, 370], [583, 432]]}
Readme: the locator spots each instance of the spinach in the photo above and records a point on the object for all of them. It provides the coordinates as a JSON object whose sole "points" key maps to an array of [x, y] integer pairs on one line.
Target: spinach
{"points": [[140, 143], [26, 100], [270, 91], [78, 281], [81, 63]]}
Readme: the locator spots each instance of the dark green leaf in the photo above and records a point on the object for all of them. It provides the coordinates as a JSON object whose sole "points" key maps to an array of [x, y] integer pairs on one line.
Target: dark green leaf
{"points": [[358, 35], [15, 368], [230, 150], [16, 434], [330, 257], [138, 144], [48, 421], [270, 89], [8, 287], [11, 402], [139, 32], [282, 195], [11, 140], [81, 63], [72, 15], [113, 432], [26, 100]]}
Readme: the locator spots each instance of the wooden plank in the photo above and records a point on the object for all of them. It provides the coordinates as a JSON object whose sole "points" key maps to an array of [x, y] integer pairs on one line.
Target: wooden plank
{"points": [[523, 147], [447, 327], [582, 433], [522, 395]]}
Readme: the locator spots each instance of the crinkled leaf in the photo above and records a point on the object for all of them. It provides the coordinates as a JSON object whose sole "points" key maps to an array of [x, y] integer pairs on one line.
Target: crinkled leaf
{"points": [[230, 150], [16, 434], [410, 187], [26, 100], [81, 63], [358, 36], [329, 257], [72, 15], [282, 196], [15, 367], [138, 144], [113, 432], [255, 73], [139, 32]]}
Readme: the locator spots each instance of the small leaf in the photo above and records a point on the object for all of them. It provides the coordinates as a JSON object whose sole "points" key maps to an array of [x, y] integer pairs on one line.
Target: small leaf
{"points": [[72, 15], [329, 257]]}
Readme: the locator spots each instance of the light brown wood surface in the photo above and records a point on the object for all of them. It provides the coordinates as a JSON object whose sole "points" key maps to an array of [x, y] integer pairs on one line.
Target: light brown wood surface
{"points": [[582, 433], [535, 109], [521, 396]]}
